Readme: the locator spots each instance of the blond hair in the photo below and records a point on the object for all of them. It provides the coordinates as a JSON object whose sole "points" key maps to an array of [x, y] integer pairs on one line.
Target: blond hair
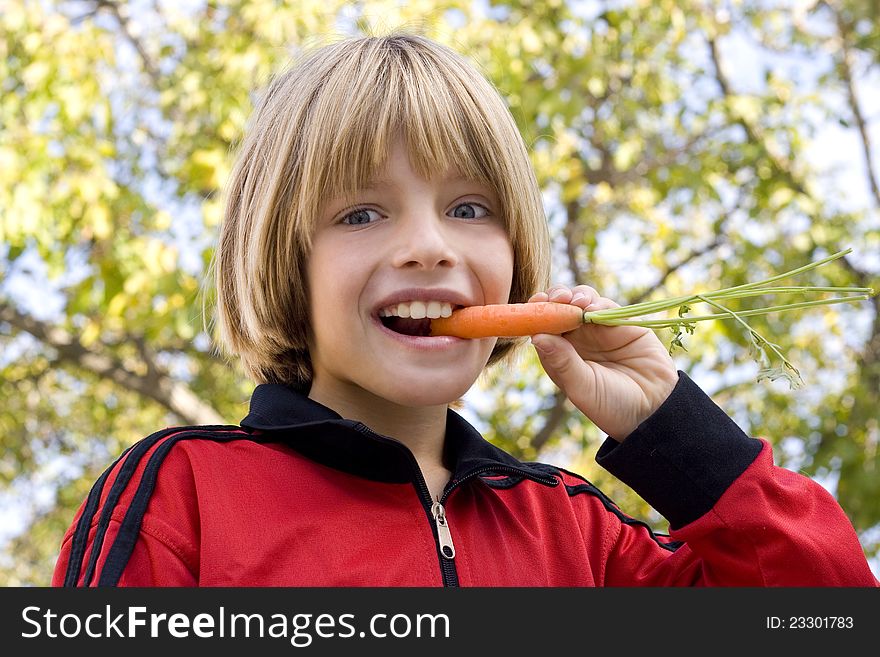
{"points": [[324, 128]]}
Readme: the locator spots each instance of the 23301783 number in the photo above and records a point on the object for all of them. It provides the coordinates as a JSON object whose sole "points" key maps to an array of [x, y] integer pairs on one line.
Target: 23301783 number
{"points": [[820, 622]]}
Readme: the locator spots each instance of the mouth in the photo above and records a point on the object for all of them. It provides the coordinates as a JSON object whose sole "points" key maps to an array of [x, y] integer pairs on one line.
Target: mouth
{"points": [[414, 318], [408, 325]]}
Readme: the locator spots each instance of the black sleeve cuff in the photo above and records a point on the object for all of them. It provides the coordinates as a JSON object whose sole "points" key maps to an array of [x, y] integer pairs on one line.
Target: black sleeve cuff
{"points": [[682, 458]]}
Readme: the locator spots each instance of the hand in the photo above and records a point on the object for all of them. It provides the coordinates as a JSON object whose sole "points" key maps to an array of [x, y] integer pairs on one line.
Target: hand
{"points": [[615, 375]]}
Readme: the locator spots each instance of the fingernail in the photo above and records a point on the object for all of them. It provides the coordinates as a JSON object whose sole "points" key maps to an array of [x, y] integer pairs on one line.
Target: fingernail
{"points": [[542, 348], [580, 296]]}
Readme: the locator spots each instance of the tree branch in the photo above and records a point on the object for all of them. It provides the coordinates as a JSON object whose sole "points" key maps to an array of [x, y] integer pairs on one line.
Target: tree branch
{"points": [[555, 414], [869, 368], [572, 231], [149, 66], [844, 31], [158, 386], [671, 269], [753, 132], [717, 241]]}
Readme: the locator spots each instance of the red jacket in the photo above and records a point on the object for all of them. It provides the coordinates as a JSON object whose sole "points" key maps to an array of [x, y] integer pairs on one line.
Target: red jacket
{"points": [[298, 496]]}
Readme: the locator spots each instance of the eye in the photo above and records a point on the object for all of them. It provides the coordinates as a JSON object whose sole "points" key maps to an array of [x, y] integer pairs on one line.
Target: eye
{"points": [[360, 217], [469, 211]]}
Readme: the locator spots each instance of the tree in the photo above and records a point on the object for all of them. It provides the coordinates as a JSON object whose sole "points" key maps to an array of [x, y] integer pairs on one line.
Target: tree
{"points": [[666, 161]]}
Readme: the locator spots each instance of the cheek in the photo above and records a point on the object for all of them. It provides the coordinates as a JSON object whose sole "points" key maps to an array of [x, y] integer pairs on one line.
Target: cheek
{"points": [[318, 269], [335, 285], [494, 264], [322, 298]]}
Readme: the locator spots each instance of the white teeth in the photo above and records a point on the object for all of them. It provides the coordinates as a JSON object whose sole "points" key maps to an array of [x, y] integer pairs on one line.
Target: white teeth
{"points": [[418, 310]]}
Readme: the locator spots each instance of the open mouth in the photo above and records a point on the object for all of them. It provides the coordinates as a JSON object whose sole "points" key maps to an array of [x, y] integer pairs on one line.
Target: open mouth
{"points": [[408, 325], [418, 326]]}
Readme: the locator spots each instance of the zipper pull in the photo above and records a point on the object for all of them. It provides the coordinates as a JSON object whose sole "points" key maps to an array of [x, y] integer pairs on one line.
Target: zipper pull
{"points": [[447, 549]]}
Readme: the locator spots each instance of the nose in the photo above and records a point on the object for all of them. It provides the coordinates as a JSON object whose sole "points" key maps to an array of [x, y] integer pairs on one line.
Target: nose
{"points": [[423, 242]]}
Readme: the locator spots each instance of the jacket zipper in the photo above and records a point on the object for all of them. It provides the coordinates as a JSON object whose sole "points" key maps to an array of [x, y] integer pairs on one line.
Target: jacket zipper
{"points": [[437, 512], [447, 566], [550, 481], [444, 535], [440, 528]]}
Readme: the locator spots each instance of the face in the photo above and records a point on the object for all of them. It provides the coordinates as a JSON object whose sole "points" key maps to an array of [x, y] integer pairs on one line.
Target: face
{"points": [[404, 246]]}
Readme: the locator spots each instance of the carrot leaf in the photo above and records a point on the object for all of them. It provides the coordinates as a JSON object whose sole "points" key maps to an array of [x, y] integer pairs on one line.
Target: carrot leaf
{"points": [[764, 352]]}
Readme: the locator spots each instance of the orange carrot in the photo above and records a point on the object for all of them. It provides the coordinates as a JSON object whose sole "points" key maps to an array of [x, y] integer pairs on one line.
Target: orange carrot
{"points": [[507, 320]]}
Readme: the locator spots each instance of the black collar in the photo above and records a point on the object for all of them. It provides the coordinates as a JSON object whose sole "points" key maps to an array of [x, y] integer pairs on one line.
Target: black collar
{"points": [[320, 433]]}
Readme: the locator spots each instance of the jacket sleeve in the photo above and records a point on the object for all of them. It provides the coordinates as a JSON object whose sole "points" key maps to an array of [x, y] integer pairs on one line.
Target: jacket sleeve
{"points": [[163, 544], [736, 518], [155, 561]]}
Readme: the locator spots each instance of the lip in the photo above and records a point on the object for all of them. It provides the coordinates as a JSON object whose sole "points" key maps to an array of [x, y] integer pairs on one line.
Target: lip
{"points": [[418, 342], [422, 294]]}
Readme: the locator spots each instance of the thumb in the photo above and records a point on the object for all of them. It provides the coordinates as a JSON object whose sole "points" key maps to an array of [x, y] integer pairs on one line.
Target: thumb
{"points": [[559, 359]]}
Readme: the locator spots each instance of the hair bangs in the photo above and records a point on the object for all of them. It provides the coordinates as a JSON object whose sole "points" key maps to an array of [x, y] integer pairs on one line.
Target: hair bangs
{"points": [[389, 93]]}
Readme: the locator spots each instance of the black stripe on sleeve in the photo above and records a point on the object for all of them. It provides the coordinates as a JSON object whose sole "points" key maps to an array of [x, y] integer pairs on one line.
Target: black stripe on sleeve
{"points": [[81, 536], [672, 546], [119, 485], [81, 533], [122, 548], [590, 489]]}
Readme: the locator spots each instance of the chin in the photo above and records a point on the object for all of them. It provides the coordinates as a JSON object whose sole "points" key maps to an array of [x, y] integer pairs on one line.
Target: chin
{"points": [[426, 392]]}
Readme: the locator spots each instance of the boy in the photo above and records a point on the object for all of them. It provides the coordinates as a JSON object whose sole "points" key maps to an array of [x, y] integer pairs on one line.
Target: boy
{"points": [[383, 182]]}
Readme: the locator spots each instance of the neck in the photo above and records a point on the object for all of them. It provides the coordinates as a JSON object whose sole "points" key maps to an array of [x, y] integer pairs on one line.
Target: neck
{"points": [[421, 428]]}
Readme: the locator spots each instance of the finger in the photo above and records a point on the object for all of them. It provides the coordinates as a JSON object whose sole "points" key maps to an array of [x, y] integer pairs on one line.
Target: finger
{"points": [[584, 295], [559, 359], [538, 296], [559, 294]]}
